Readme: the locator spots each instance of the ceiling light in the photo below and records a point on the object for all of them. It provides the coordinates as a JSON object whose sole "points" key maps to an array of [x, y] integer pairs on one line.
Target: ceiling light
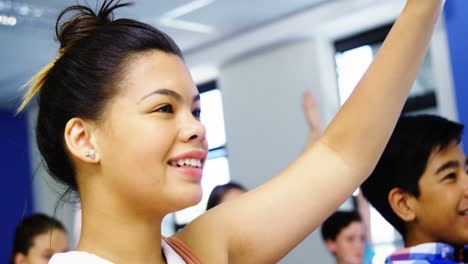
{"points": [[186, 25], [188, 8], [172, 18], [23, 10], [7, 20]]}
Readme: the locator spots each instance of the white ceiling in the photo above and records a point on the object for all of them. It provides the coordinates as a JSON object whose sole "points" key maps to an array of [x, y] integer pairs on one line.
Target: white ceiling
{"points": [[237, 26]]}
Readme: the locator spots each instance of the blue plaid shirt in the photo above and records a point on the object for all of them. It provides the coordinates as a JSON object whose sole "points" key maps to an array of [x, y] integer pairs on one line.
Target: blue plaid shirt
{"points": [[429, 253]]}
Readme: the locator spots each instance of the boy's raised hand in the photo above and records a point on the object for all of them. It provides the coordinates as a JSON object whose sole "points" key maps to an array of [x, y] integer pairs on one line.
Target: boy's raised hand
{"points": [[313, 117]]}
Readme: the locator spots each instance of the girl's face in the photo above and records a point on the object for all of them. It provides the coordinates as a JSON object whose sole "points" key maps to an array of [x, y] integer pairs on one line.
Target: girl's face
{"points": [[43, 247], [151, 143]]}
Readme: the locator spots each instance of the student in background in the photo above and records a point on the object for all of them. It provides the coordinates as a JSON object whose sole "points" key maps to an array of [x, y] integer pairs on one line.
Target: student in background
{"points": [[346, 234], [343, 235], [37, 238]]}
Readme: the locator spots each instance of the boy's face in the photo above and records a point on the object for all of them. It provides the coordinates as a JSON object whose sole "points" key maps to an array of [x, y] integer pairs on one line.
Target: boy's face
{"points": [[441, 210]]}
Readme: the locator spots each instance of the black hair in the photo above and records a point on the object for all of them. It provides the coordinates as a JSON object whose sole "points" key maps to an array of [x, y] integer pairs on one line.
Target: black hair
{"points": [[338, 221], [405, 158], [94, 51], [30, 227], [216, 196]]}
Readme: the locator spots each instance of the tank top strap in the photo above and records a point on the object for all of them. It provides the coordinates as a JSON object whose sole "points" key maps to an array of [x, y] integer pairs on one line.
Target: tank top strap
{"points": [[181, 249]]}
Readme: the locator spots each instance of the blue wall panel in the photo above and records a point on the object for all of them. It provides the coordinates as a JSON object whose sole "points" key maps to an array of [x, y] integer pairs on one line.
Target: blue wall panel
{"points": [[15, 187], [456, 19]]}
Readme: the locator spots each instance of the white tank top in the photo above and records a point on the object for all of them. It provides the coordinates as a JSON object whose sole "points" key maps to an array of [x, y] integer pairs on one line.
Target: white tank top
{"points": [[81, 257]]}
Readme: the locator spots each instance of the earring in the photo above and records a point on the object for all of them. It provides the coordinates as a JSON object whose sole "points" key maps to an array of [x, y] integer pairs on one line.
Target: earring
{"points": [[91, 155]]}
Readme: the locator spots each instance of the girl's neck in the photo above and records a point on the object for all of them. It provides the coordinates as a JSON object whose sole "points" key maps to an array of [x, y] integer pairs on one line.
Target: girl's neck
{"points": [[120, 236]]}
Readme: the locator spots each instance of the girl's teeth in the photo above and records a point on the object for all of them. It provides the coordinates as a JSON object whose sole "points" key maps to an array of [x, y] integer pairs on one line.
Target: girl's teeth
{"points": [[187, 162]]}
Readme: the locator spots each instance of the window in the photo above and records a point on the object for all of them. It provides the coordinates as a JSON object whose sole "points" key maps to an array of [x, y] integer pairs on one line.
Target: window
{"points": [[353, 56], [216, 170]]}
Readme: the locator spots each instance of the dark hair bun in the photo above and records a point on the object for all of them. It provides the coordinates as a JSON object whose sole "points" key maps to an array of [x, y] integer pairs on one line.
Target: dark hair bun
{"points": [[84, 21]]}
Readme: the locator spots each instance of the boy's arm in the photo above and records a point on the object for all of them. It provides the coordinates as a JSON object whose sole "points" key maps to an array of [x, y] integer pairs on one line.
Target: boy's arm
{"points": [[313, 118]]}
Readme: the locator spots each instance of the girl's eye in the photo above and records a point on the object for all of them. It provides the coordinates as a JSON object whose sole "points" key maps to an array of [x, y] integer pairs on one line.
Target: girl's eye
{"points": [[164, 109], [196, 113]]}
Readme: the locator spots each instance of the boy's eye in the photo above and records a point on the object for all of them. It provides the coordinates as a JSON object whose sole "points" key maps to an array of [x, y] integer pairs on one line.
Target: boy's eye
{"points": [[451, 176], [164, 109], [196, 113]]}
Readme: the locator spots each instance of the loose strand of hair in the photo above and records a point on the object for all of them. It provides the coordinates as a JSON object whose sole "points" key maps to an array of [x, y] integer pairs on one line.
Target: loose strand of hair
{"points": [[35, 84], [108, 7]]}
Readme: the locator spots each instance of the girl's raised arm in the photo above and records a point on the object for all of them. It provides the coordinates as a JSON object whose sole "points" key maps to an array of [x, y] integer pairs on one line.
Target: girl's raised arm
{"points": [[266, 223]]}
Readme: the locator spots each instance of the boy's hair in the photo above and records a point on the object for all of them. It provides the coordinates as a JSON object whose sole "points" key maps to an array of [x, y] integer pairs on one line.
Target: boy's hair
{"points": [[405, 158], [337, 222]]}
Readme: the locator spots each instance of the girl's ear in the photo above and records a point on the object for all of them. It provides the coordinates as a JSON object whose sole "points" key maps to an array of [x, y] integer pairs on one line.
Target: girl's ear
{"points": [[80, 140]]}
